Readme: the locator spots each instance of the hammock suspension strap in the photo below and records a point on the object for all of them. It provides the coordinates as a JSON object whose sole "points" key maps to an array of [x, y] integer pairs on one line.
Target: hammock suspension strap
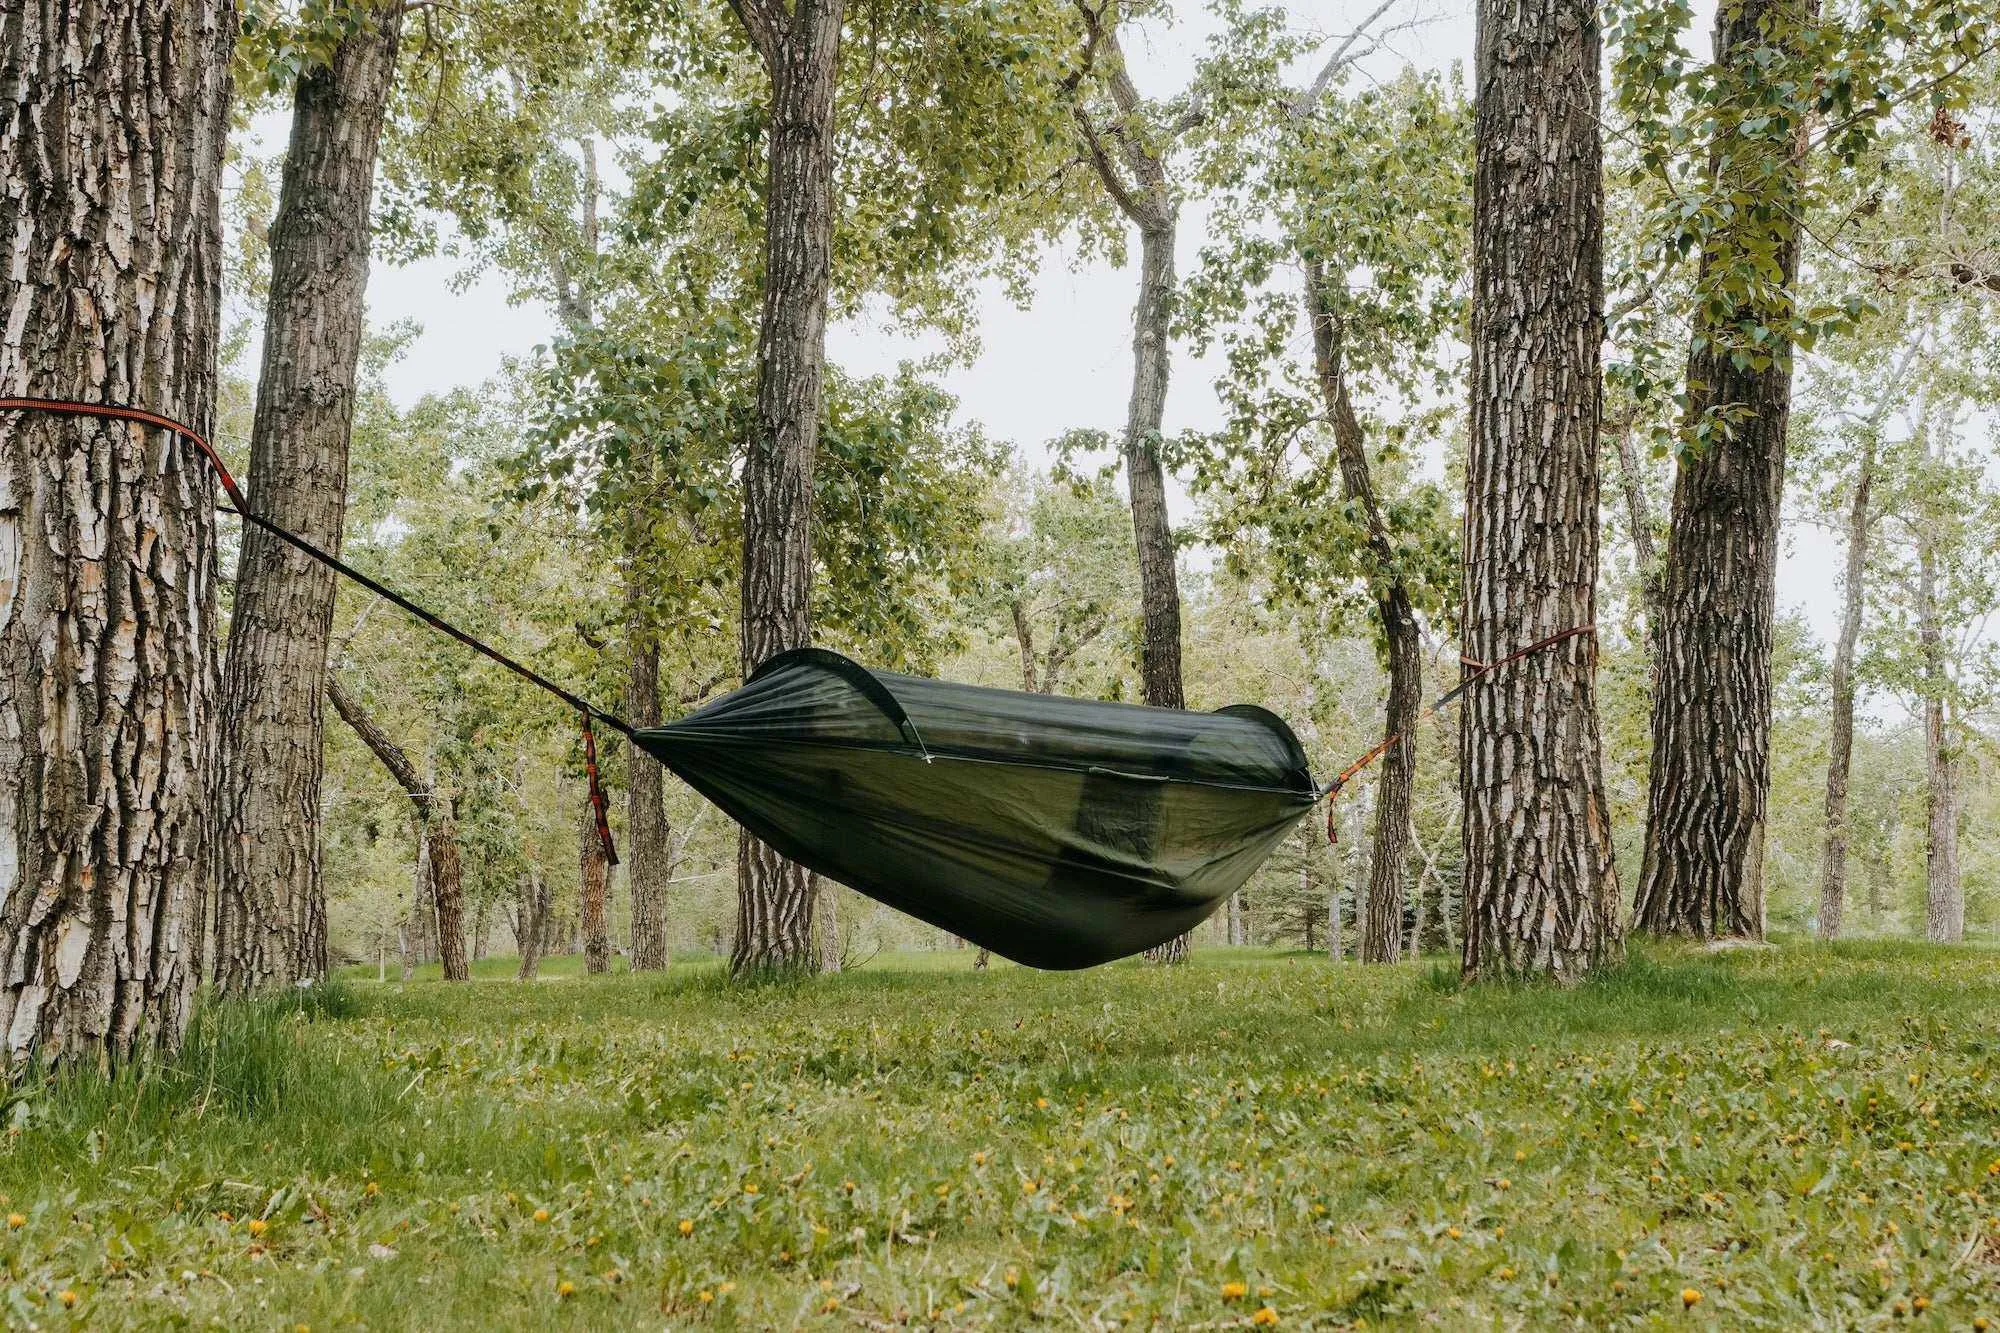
{"points": [[585, 710], [1474, 670]]}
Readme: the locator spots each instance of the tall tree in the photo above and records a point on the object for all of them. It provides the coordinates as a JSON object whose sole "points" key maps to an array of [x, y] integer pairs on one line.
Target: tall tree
{"points": [[800, 48], [111, 147], [270, 916], [594, 892], [1944, 894], [1127, 150], [1710, 777], [1541, 889], [1861, 516]]}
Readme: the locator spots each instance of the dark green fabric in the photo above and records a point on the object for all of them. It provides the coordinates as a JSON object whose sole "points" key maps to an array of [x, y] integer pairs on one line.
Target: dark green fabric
{"points": [[1058, 832]]}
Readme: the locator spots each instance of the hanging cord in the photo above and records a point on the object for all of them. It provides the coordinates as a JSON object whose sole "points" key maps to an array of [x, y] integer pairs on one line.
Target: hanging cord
{"points": [[1474, 670], [585, 710]]}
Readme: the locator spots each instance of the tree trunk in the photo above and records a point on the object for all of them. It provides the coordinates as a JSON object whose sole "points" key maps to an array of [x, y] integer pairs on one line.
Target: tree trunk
{"points": [[1234, 928], [1711, 763], [479, 930], [111, 144], [1024, 635], [271, 903], [1159, 587], [831, 950], [437, 828], [800, 48], [1402, 638], [1840, 746], [594, 888], [647, 833], [532, 935], [1944, 898], [1541, 891]]}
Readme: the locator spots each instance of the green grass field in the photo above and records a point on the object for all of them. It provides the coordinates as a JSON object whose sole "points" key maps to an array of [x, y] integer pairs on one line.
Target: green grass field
{"points": [[1779, 1139]]}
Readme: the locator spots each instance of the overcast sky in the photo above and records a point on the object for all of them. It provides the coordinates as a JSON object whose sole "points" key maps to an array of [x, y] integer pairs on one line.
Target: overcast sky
{"points": [[1065, 362]]}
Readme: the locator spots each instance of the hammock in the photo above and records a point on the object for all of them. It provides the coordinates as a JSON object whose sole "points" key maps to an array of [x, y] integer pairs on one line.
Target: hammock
{"points": [[1060, 833]]}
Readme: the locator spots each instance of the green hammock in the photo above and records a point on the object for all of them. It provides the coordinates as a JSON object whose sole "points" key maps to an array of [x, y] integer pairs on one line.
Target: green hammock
{"points": [[1060, 833]]}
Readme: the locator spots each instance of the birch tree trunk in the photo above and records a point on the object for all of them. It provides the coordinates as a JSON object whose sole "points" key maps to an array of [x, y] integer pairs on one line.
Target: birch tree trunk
{"points": [[1381, 911], [437, 829], [800, 47], [1541, 891], [111, 142], [1711, 725], [1840, 743], [271, 904], [594, 888]]}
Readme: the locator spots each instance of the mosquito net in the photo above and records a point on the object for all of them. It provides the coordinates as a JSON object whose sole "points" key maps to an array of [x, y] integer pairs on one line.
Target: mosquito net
{"points": [[1057, 832]]}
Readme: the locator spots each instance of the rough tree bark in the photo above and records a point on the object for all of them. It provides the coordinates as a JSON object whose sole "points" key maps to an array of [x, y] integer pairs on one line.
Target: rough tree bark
{"points": [[111, 141], [437, 827], [1639, 518], [1381, 926], [1711, 762], [1541, 891], [800, 47], [1944, 897], [271, 904], [1135, 177], [594, 887]]}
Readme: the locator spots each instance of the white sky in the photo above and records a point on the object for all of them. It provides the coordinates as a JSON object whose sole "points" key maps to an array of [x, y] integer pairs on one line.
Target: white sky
{"points": [[1063, 363]]}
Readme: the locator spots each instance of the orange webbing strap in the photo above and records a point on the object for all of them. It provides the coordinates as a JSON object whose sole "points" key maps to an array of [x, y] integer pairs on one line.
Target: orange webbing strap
{"points": [[585, 709], [1331, 792]]}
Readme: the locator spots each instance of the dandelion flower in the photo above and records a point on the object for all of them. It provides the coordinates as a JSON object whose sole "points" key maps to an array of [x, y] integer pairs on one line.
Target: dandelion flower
{"points": [[1690, 1298], [258, 1226], [541, 1214], [565, 1289], [1264, 1317], [67, 1297], [687, 1226], [1235, 1291], [15, 1221]]}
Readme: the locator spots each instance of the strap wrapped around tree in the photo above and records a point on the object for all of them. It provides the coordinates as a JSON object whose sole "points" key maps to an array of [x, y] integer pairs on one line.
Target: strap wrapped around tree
{"points": [[1061, 833]]}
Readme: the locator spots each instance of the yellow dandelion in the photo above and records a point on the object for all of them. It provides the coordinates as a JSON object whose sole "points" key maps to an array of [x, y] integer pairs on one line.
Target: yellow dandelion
{"points": [[541, 1214], [1235, 1291], [371, 1189], [1041, 1103], [258, 1226], [686, 1227], [1264, 1317], [749, 1187], [1453, 1232], [1690, 1298], [15, 1221], [67, 1297], [565, 1289], [704, 1295]]}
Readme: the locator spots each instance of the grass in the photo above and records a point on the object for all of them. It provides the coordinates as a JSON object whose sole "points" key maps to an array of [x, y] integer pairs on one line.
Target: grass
{"points": [[1803, 1136]]}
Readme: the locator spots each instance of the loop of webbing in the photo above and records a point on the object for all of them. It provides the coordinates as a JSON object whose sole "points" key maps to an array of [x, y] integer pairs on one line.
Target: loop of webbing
{"points": [[584, 708]]}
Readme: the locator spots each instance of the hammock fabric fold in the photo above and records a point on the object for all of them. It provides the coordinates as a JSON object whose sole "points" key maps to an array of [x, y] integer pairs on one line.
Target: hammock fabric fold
{"points": [[1060, 833]]}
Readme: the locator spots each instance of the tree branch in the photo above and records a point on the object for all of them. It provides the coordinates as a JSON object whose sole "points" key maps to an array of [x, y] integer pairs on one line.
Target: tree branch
{"points": [[765, 22], [377, 740], [1342, 56]]}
